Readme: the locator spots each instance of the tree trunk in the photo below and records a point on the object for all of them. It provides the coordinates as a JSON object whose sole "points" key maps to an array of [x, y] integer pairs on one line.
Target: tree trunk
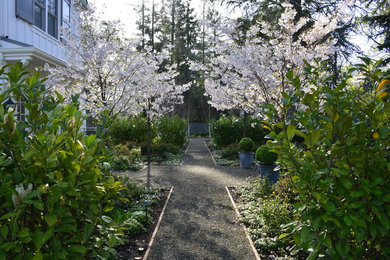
{"points": [[245, 122], [173, 23], [153, 14], [143, 24], [149, 152]]}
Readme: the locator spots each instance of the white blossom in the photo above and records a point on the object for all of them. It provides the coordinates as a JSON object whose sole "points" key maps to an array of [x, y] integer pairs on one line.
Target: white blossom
{"points": [[244, 75]]}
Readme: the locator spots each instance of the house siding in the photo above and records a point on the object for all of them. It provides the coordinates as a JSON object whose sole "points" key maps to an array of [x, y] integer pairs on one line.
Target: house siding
{"points": [[19, 30]]}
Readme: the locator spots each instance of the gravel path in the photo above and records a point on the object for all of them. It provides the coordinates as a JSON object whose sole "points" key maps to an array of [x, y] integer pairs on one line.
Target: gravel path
{"points": [[199, 222]]}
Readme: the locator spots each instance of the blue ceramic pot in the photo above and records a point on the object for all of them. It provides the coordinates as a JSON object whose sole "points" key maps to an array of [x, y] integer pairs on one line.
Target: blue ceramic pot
{"points": [[267, 171], [246, 160]]}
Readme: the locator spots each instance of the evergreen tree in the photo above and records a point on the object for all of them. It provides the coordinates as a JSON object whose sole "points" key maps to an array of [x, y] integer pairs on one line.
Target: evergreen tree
{"points": [[377, 17]]}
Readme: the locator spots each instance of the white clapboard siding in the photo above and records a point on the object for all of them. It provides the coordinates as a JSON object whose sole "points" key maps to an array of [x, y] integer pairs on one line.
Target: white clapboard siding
{"points": [[24, 32]]}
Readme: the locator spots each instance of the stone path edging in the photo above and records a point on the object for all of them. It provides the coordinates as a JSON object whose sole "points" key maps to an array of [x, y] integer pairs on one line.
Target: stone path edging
{"points": [[157, 226], [245, 229]]}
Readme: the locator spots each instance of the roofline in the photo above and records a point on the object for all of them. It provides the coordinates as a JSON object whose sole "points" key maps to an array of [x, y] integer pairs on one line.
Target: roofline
{"points": [[27, 53]]}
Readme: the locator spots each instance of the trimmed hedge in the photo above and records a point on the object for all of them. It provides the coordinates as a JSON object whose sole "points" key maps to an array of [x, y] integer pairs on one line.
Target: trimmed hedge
{"points": [[168, 130], [229, 130]]}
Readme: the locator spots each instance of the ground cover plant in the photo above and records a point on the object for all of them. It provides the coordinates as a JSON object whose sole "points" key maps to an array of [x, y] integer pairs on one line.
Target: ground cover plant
{"points": [[340, 174], [58, 199], [264, 211]]}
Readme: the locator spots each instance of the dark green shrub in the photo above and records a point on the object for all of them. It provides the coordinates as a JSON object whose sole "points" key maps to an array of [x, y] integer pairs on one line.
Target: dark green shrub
{"points": [[160, 150], [229, 130], [341, 176], [226, 131], [230, 152], [172, 130], [246, 145], [134, 129], [265, 156], [55, 190], [255, 131]]}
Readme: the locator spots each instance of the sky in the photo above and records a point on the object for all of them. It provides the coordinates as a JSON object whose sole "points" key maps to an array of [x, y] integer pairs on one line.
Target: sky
{"points": [[124, 10]]}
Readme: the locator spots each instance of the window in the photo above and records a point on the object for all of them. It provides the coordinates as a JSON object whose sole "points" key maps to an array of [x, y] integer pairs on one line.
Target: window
{"points": [[39, 14], [52, 18], [66, 13], [45, 14]]}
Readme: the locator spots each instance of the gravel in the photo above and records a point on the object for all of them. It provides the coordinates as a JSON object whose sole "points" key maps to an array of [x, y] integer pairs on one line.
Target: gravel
{"points": [[199, 222]]}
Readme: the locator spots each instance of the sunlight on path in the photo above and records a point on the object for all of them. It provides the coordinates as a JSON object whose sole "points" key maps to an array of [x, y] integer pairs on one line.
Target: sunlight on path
{"points": [[199, 222]]}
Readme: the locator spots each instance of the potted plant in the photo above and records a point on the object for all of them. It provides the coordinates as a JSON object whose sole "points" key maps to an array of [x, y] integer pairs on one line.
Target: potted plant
{"points": [[246, 146], [266, 165]]}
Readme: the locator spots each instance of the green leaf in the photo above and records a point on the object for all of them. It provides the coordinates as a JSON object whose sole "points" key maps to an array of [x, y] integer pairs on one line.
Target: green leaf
{"points": [[48, 234], [316, 195], [108, 208], [78, 249], [373, 230], [387, 198], [4, 231], [346, 182], [313, 255], [290, 132], [347, 220], [329, 206], [94, 208], [88, 229], [66, 228], [37, 239], [32, 194], [305, 234], [290, 75], [51, 219], [284, 235], [37, 256], [23, 233]]}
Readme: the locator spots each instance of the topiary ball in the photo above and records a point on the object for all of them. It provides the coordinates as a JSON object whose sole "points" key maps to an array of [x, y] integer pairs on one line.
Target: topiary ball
{"points": [[265, 156], [246, 145]]}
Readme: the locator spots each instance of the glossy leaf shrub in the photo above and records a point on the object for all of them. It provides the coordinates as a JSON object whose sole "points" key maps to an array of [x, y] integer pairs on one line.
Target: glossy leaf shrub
{"points": [[55, 191], [341, 172]]}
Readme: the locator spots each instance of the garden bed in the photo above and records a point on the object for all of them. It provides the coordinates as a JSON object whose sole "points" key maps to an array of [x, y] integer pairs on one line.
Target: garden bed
{"points": [[218, 159], [266, 246], [138, 245]]}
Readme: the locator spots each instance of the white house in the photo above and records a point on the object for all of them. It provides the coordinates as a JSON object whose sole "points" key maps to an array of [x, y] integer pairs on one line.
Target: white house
{"points": [[30, 32]]}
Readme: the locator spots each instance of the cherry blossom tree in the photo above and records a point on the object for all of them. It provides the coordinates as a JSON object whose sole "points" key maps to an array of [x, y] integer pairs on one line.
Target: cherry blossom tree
{"points": [[249, 70], [107, 70], [111, 74]]}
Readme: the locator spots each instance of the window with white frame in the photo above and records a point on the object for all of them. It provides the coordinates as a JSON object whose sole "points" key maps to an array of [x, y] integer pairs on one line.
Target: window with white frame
{"points": [[66, 13], [47, 15]]}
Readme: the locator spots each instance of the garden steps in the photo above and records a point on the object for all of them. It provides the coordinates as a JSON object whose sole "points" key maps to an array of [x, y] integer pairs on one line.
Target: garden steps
{"points": [[199, 222]]}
